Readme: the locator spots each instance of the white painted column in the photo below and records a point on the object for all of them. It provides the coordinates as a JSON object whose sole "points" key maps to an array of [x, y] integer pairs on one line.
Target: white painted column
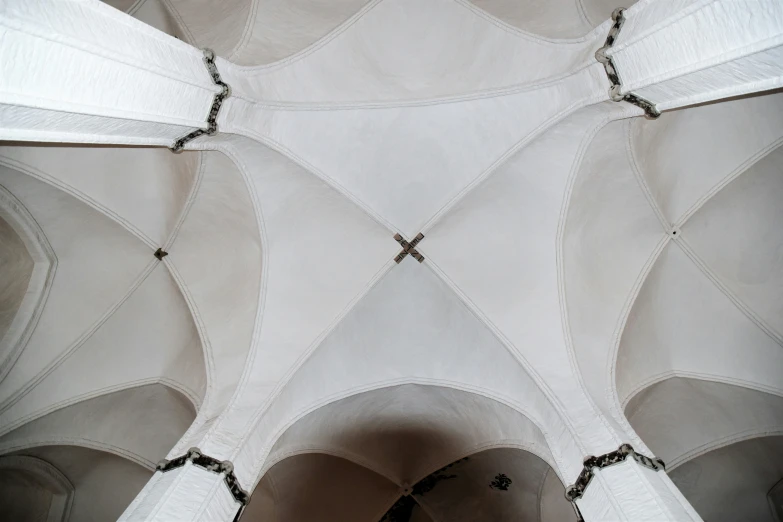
{"points": [[82, 71], [630, 492], [186, 494], [675, 53], [624, 485]]}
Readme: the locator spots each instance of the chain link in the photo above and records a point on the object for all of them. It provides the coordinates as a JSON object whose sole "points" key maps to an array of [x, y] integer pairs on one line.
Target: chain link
{"points": [[217, 102], [611, 70], [213, 465], [621, 454]]}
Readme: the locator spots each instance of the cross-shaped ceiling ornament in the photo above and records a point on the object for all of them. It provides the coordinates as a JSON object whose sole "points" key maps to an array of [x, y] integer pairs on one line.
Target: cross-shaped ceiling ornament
{"points": [[409, 248]]}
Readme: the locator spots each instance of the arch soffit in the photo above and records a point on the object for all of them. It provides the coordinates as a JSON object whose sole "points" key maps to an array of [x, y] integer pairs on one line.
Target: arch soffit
{"points": [[12, 156], [44, 268], [589, 139], [234, 155], [189, 395], [360, 461], [10, 444], [722, 443], [345, 479], [737, 413], [49, 477], [462, 387], [471, 452], [540, 449]]}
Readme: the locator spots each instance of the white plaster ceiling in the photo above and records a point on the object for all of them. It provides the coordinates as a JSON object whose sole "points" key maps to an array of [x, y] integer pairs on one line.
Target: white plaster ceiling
{"points": [[33, 490], [556, 19], [317, 486], [724, 453], [574, 264], [406, 432], [104, 484], [755, 466], [131, 320], [712, 415], [17, 268], [22, 498], [140, 424], [467, 496]]}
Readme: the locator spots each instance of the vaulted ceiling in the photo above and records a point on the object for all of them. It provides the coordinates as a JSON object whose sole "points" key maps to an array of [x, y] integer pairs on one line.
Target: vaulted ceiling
{"points": [[634, 266]]}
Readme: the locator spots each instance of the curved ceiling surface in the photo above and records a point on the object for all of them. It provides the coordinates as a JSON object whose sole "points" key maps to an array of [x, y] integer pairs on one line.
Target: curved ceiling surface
{"points": [[406, 432], [501, 484], [589, 278], [17, 268], [104, 484]]}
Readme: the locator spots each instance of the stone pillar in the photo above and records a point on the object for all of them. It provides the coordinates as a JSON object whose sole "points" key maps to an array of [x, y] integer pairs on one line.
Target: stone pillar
{"points": [[675, 53], [190, 488], [82, 71], [630, 492], [626, 486]]}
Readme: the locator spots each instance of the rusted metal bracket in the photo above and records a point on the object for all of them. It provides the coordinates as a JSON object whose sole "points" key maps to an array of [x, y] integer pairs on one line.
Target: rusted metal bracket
{"points": [[213, 465], [217, 102], [611, 70], [409, 248]]}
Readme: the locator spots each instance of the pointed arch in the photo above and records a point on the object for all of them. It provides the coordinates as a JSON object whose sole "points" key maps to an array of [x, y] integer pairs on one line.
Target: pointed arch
{"points": [[13, 212]]}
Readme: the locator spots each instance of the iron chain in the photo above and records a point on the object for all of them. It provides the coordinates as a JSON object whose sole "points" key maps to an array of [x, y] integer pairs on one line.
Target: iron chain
{"points": [[197, 458], [611, 70], [621, 454], [217, 102]]}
